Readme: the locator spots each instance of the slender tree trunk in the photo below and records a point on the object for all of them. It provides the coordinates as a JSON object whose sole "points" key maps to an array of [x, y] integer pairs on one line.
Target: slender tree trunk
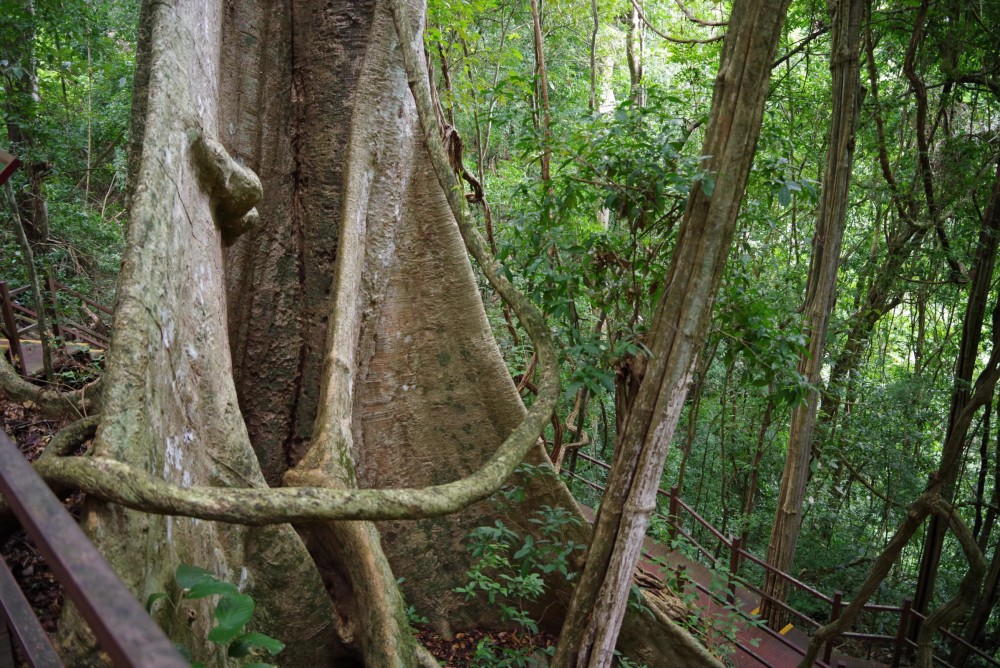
{"points": [[984, 469], [592, 99], [36, 285], [543, 87], [750, 498], [820, 295], [965, 366], [993, 506], [881, 294], [678, 334], [634, 44]]}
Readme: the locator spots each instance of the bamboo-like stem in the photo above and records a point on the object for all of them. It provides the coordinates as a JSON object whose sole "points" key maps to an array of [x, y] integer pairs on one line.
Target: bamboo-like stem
{"points": [[36, 290]]}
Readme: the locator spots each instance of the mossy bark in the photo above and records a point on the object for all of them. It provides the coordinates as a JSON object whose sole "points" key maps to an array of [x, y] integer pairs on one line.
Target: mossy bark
{"points": [[339, 343], [170, 405]]}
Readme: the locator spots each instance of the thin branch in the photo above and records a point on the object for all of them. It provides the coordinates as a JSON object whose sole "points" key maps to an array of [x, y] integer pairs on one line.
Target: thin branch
{"points": [[822, 30], [670, 38], [694, 19], [868, 485]]}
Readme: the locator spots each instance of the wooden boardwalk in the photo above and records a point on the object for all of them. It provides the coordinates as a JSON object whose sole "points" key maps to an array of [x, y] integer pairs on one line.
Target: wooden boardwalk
{"points": [[33, 352], [762, 649]]}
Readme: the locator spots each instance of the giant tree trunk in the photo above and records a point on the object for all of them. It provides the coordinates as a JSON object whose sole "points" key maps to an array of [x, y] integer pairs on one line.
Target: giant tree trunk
{"points": [[821, 292], [170, 407], [341, 342], [413, 390], [678, 334]]}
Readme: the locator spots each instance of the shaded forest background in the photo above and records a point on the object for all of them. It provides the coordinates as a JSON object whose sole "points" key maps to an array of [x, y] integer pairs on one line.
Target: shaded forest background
{"points": [[584, 143]]}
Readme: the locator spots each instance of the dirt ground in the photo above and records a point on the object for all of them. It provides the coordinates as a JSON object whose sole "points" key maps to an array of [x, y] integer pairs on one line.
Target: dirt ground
{"points": [[32, 432]]}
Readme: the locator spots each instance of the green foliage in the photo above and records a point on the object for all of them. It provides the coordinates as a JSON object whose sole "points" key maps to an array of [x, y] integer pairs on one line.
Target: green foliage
{"points": [[717, 629], [625, 662], [413, 617], [766, 336], [232, 612], [65, 96], [510, 569]]}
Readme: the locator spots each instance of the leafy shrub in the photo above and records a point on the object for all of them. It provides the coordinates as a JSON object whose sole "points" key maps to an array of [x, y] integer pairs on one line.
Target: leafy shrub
{"points": [[232, 612]]}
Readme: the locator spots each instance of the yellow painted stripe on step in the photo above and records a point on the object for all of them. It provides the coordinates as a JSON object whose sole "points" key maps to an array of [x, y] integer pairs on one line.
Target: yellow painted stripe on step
{"points": [[788, 627], [79, 345]]}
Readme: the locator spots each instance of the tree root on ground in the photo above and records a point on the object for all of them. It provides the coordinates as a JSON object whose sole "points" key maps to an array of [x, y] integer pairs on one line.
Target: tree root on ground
{"points": [[53, 403]]}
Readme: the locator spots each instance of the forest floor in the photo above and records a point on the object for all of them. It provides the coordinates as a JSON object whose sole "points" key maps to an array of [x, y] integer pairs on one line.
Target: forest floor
{"points": [[31, 431], [463, 647]]}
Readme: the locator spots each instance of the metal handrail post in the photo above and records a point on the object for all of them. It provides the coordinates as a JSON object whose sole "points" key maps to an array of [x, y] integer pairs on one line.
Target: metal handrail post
{"points": [[673, 515], [57, 329], [838, 598], [10, 324], [904, 623], [734, 565]]}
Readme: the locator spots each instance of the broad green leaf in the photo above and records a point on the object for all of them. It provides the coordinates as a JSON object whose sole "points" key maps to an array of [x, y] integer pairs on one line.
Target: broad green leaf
{"points": [[189, 576], [784, 196], [153, 598], [246, 643], [210, 588], [224, 634], [232, 613]]}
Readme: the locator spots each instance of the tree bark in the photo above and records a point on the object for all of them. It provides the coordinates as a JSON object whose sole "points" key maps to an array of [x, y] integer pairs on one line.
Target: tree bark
{"points": [[170, 404], [595, 17], [340, 341], [678, 334], [965, 366], [543, 88], [634, 43], [821, 292]]}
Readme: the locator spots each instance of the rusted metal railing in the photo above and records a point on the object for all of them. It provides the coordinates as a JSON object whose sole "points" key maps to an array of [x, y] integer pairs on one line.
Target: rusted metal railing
{"points": [[122, 627], [733, 548], [17, 320]]}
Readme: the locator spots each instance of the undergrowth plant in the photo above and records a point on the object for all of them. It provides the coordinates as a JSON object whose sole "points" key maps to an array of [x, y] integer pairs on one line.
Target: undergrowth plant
{"points": [[232, 612], [510, 570], [718, 629]]}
